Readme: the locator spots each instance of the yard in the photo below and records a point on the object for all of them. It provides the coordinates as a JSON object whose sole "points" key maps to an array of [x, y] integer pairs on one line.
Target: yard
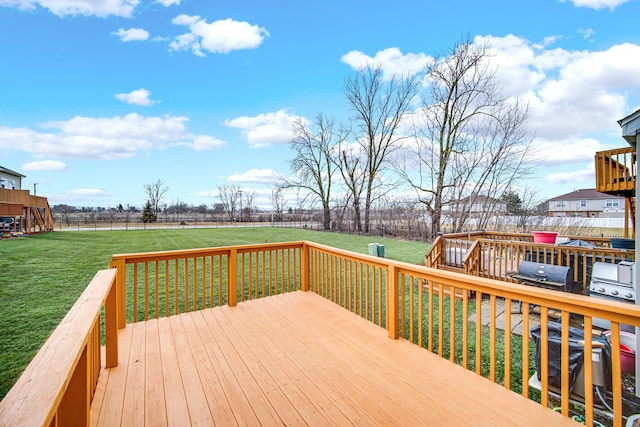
{"points": [[43, 275]]}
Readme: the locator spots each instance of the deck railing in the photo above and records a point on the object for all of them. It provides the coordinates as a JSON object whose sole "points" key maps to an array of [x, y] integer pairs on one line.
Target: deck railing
{"points": [[158, 284], [496, 259], [484, 255], [616, 170], [428, 307], [58, 385]]}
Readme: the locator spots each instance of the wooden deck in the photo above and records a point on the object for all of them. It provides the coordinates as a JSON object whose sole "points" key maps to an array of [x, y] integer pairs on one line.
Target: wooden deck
{"points": [[293, 359]]}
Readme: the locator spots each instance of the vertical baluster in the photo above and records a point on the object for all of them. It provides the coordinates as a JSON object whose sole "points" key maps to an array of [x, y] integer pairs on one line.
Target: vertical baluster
{"points": [[507, 343], [166, 288], [452, 323], [135, 292], [146, 290]]}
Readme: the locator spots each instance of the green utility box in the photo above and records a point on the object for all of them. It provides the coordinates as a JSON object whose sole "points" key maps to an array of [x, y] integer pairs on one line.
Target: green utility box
{"points": [[376, 249]]}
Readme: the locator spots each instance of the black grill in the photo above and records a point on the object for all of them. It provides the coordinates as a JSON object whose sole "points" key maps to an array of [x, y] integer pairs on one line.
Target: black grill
{"points": [[549, 276]]}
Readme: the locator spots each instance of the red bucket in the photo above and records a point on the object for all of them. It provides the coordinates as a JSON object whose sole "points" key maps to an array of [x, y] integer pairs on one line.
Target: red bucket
{"points": [[544, 237], [627, 351]]}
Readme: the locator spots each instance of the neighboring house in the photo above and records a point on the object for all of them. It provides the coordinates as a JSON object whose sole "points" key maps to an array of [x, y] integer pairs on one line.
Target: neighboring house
{"points": [[10, 180], [480, 206], [587, 203]]}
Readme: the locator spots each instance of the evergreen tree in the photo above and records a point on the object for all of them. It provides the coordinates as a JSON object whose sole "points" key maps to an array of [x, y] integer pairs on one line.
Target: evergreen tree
{"points": [[147, 213]]}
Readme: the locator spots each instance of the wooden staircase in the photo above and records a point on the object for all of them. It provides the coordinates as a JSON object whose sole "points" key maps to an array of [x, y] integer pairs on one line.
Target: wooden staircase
{"points": [[32, 213]]}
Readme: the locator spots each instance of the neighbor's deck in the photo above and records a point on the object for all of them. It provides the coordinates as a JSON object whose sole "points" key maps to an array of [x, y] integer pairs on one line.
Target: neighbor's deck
{"points": [[293, 359]]}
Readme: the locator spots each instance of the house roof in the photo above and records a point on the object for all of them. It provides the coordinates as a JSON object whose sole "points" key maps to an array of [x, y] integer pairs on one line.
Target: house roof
{"points": [[584, 194], [631, 127], [481, 199], [10, 172]]}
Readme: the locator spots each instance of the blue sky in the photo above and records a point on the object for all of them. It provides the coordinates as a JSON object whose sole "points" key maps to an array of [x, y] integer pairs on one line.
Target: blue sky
{"points": [[99, 97]]}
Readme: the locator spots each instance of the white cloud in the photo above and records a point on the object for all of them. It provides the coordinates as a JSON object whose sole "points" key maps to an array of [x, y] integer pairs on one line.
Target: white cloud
{"points": [[586, 175], [167, 3], [207, 193], [221, 36], [255, 176], [105, 137], [100, 8], [136, 97], [266, 129], [554, 153], [44, 165], [587, 33], [596, 4], [569, 93], [206, 143], [391, 60], [88, 192], [132, 34]]}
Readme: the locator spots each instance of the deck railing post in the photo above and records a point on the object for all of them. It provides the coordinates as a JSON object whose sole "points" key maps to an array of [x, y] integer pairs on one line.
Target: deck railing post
{"points": [[392, 301], [304, 268], [111, 326], [232, 278], [121, 291]]}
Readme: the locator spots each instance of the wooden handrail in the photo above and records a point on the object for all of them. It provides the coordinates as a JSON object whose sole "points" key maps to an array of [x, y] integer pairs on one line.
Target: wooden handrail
{"points": [[60, 395]]}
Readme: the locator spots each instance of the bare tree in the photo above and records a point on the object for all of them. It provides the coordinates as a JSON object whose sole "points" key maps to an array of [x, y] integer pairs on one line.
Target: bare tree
{"points": [[470, 138], [229, 196], [248, 197], [155, 192], [313, 165], [378, 107], [353, 175], [278, 202]]}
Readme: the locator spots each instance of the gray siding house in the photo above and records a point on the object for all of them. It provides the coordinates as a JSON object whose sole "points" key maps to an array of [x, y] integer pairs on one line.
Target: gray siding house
{"points": [[10, 180], [586, 203]]}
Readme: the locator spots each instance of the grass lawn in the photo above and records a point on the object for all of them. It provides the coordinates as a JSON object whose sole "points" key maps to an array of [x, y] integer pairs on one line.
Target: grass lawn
{"points": [[41, 276]]}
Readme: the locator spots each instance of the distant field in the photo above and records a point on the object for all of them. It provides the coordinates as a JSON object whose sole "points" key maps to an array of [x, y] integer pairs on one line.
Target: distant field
{"points": [[41, 276]]}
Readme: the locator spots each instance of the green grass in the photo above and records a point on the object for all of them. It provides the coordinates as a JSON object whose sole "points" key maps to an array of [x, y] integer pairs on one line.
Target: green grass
{"points": [[41, 276]]}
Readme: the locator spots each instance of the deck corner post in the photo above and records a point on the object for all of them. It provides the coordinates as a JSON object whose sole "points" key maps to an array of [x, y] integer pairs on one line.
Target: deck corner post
{"points": [[121, 291], [304, 268], [232, 278], [111, 326], [392, 301]]}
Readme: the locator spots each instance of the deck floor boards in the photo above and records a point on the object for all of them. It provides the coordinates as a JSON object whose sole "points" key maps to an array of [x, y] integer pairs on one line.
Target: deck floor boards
{"points": [[293, 359]]}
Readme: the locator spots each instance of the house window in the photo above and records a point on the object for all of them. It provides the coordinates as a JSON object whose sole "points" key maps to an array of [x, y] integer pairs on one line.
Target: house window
{"points": [[583, 203], [612, 203], [561, 204]]}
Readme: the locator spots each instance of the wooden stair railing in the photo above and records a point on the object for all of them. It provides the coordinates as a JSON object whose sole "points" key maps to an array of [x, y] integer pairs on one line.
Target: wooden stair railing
{"points": [[615, 171], [37, 215]]}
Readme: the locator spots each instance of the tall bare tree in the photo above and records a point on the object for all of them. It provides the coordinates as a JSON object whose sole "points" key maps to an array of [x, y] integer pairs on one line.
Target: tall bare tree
{"points": [[248, 204], [230, 196], [378, 106], [278, 202], [313, 165], [470, 138], [155, 193], [353, 171]]}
